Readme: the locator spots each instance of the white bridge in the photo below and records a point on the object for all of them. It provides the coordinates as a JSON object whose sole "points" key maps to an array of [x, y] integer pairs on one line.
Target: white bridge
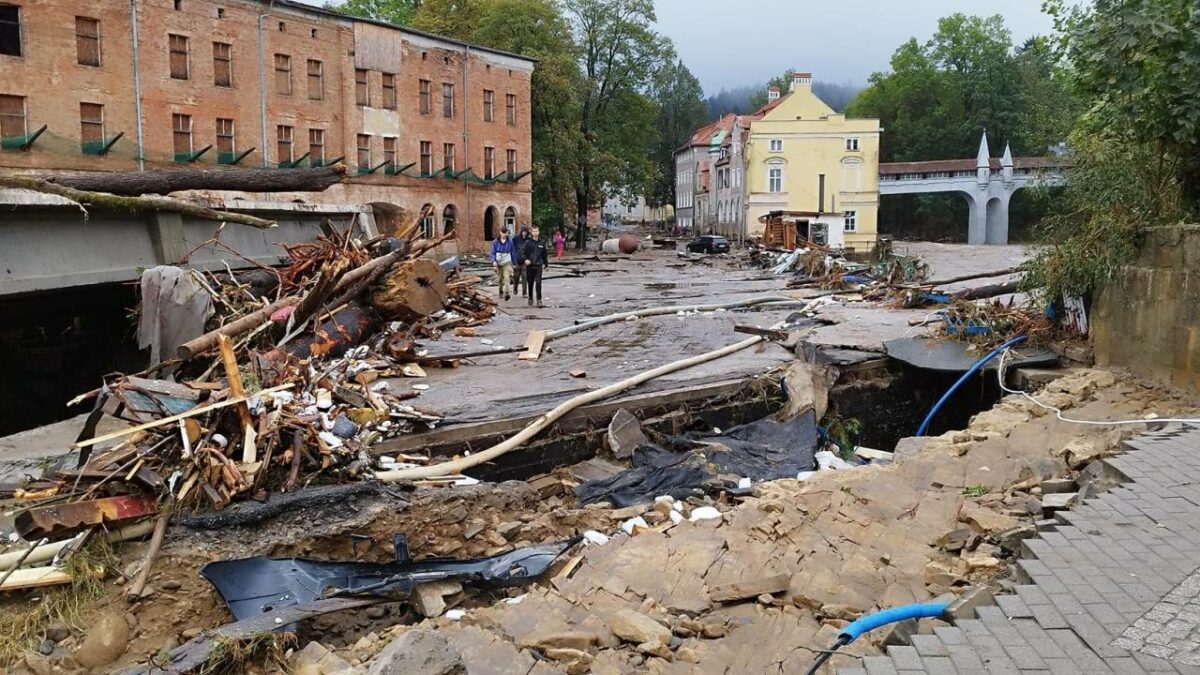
{"points": [[987, 184]]}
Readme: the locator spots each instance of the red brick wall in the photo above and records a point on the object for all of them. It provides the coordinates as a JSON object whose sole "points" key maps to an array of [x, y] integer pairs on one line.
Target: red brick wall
{"points": [[54, 83]]}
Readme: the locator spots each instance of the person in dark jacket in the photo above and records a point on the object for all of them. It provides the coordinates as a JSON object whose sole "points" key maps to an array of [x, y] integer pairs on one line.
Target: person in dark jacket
{"points": [[519, 240], [534, 259]]}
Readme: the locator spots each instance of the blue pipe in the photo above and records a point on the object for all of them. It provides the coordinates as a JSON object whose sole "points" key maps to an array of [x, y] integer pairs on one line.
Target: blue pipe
{"points": [[966, 376], [868, 623]]}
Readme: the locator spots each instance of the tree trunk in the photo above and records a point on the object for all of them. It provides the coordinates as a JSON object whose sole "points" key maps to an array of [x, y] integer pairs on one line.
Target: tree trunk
{"points": [[165, 181], [416, 288], [150, 204]]}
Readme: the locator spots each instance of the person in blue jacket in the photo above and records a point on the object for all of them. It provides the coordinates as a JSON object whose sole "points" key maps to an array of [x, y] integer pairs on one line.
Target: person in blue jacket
{"points": [[504, 254]]}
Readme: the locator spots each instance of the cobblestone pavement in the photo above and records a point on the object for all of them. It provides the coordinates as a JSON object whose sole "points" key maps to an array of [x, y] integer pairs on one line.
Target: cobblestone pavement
{"points": [[1112, 586]]}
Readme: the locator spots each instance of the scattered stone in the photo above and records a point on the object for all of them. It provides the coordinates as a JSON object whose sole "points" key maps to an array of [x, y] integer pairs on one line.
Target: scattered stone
{"points": [[191, 633], [712, 631], [1033, 506], [565, 654], [578, 640], [1010, 540], [57, 632], [38, 664], [638, 628], [656, 648], [428, 600], [1057, 485], [1078, 452], [376, 612], [627, 512], [840, 612], [984, 520], [105, 641], [1058, 501], [686, 655], [955, 540], [742, 590], [418, 651], [172, 585], [625, 434], [765, 599], [982, 562], [316, 659], [46, 648]]}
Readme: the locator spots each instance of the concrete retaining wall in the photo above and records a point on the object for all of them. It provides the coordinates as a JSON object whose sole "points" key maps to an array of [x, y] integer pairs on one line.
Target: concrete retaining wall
{"points": [[1148, 318]]}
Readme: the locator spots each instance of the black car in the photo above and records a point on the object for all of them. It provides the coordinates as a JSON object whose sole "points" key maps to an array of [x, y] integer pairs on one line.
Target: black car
{"points": [[708, 244]]}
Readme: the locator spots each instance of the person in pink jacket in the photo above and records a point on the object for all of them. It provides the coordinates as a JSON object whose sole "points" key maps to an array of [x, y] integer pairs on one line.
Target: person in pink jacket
{"points": [[560, 243]]}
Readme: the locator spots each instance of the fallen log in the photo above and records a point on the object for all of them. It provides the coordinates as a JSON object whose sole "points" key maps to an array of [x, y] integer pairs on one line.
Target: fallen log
{"points": [[459, 465], [989, 291], [165, 181], [965, 277], [150, 204], [416, 288], [234, 328]]}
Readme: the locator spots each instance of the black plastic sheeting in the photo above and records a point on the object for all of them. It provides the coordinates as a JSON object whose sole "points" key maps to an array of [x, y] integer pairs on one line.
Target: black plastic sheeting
{"points": [[953, 355], [253, 586], [761, 450]]}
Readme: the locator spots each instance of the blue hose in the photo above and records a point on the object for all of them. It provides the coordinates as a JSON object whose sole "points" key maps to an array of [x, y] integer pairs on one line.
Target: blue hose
{"points": [[868, 623], [966, 376], [852, 631]]}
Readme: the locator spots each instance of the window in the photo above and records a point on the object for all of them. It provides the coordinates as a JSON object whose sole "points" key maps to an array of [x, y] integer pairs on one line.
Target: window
{"points": [[91, 123], [220, 12], [225, 137], [510, 219], [449, 215], [316, 147], [448, 156], [364, 151], [316, 80], [426, 157], [426, 105], [362, 87], [181, 126], [283, 74], [512, 162], [222, 64], [282, 27], [489, 162], [10, 30], [776, 145], [389, 91], [427, 221], [312, 32], [87, 41], [283, 144], [510, 107], [851, 221], [489, 99], [179, 56], [852, 144], [447, 100], [12, 116], [389, 151], [774, 180], [178, 5]]}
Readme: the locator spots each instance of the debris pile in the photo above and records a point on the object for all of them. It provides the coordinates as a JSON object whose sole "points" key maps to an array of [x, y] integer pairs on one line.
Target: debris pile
{"points": [[289, 387]]}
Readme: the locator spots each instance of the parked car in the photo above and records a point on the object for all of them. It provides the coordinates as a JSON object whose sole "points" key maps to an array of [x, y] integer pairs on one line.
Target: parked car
{"points": [[708, 243]]}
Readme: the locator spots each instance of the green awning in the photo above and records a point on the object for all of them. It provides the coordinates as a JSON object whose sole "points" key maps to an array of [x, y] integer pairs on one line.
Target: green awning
{"points": [[189, 157], [100, 146], [233, 157], [21, 142]]}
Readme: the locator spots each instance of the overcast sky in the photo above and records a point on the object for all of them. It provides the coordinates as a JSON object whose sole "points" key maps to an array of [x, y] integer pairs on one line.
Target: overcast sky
{"points": [[728, 43]]}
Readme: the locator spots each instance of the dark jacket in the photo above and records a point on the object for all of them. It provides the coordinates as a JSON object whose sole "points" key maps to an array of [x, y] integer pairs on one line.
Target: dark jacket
{"points": [[519, 249], [534, 251], [505, 246]]}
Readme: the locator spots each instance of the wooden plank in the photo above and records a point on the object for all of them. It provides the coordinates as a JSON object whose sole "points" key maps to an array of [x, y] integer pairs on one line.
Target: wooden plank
{"points": [[229, 361], [35, 577], [533, 345]]}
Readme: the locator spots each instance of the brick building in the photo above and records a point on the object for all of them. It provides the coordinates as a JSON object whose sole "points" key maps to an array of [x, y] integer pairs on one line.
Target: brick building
{"points": [[422, 121]]}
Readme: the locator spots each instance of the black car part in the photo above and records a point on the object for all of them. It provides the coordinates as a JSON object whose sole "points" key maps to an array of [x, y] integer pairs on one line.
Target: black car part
{"points": [[253, 586]]}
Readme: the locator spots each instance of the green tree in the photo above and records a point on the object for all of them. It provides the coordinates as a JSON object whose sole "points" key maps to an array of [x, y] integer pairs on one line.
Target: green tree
{"points": [[399, 12], [452, 18], [681, 109], [618, 52]]}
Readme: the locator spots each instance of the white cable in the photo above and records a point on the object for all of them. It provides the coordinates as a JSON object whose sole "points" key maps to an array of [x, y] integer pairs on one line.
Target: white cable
{"points": [[1058, 413]]}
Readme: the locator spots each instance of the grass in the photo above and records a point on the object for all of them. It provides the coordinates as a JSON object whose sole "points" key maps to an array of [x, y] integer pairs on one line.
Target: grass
{"points": [[231, 655], [25, 617]]}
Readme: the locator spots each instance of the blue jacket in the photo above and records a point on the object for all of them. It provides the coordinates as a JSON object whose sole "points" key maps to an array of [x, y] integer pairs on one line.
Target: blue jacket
{"points": [[504, 247]]}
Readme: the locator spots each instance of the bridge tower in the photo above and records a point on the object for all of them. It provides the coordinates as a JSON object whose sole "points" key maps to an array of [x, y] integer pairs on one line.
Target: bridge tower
{"points": [[989, 200]]}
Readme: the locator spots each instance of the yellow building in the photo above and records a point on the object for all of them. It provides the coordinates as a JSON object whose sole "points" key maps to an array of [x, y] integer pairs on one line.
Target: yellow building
{"points": [[819, 170]]}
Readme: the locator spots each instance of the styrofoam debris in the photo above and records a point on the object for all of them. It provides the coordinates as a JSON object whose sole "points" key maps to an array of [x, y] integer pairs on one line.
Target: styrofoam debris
{"points": [[466, 481], [744, 483], [379, 386], [704, 513], [633, 524], [828, 460], [517, 600], [594, 537], [488, 341], [329, 439], [455, 614], [676, 517], [805, 475], [420, 387]]}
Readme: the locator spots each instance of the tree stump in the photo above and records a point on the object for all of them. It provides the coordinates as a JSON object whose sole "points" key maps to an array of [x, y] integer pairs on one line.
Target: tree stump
{"points": [[415, 288]]}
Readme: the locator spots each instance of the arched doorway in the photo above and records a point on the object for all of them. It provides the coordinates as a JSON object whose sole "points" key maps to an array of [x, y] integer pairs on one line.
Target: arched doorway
{"points": [[510, 220], [427, 220], [449, 218], [489, 223]]}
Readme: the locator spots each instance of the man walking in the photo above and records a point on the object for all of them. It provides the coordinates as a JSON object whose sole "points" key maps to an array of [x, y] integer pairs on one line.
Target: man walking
{"points": [[503, 256], [534, 259], [519, 268]]}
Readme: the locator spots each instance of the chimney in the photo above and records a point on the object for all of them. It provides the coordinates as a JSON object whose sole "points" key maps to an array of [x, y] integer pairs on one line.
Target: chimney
{"points": [[801, 80], [772, 93]]}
